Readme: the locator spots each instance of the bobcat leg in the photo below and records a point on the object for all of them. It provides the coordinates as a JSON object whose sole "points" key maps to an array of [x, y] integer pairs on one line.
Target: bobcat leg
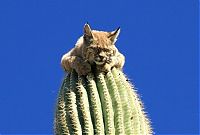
{"points": [[74, 62], [119, 61], [116, 61], [104, 68]]}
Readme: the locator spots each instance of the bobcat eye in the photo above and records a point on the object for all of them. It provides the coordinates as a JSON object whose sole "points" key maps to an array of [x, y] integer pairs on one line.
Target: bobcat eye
{"points": [[92, 49], [110, 53], [113, 52]]}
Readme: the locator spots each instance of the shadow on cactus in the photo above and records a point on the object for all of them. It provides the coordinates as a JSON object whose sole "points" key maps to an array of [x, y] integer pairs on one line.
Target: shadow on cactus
{"points": [[95, 96]]}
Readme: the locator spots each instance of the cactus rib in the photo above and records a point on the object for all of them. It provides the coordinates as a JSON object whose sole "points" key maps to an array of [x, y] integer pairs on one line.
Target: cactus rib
{"points": [[116, 103], [106, 104], [125, 103], [137, 108], [95, 105], [83, 108], [70, 98], [61, 115]]}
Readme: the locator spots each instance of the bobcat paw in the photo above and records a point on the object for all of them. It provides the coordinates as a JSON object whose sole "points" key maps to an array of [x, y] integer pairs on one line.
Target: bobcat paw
{"points": [[104, 68], [83, 68]]}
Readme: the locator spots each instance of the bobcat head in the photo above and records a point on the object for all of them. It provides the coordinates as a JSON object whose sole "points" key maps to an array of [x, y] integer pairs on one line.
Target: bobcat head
{"points": [[99, 46]]}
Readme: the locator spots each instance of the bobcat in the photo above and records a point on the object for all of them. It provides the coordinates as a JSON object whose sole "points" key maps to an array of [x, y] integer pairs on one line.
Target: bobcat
{"points": [[94, 48]]}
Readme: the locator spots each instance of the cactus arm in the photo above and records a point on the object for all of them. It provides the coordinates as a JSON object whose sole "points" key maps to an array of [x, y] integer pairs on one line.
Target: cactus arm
{"points": [[106, 103], [95, 105], [83, 108], [116, 103]]}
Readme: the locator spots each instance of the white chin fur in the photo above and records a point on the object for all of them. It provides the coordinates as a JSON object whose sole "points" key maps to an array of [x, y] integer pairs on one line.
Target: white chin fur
{"points": [[99, 63]]}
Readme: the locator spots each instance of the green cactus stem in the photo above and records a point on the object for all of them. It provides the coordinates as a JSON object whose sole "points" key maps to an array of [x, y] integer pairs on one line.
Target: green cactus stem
{"points": [[100, 104]]}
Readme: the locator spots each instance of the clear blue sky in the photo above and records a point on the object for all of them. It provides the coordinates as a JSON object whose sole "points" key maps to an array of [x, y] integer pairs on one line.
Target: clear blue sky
{"points": [[158, 37]]}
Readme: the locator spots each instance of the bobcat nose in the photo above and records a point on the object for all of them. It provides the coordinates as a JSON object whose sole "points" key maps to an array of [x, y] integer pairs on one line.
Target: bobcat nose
{"points": [[100, 58], [101, 54]]}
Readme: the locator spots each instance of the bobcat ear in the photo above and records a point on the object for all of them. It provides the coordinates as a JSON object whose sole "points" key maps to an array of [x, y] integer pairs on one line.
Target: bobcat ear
{"points": [[113, 35], [87, 32]]}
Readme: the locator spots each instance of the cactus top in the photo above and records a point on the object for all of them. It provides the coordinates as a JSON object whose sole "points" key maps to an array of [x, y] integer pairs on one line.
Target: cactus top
{"points": [[99, 104]]}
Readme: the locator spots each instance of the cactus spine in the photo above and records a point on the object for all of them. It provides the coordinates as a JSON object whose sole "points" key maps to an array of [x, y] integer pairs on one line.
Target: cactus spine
{"points": [[99, 104]]}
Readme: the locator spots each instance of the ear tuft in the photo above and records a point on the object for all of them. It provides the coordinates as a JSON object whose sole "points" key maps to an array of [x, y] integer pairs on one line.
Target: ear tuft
{"points": [[113, 35]]}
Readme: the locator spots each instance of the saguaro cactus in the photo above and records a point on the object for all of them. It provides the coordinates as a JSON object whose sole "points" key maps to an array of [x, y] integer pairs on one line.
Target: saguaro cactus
{"points": [[99, 103]]}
